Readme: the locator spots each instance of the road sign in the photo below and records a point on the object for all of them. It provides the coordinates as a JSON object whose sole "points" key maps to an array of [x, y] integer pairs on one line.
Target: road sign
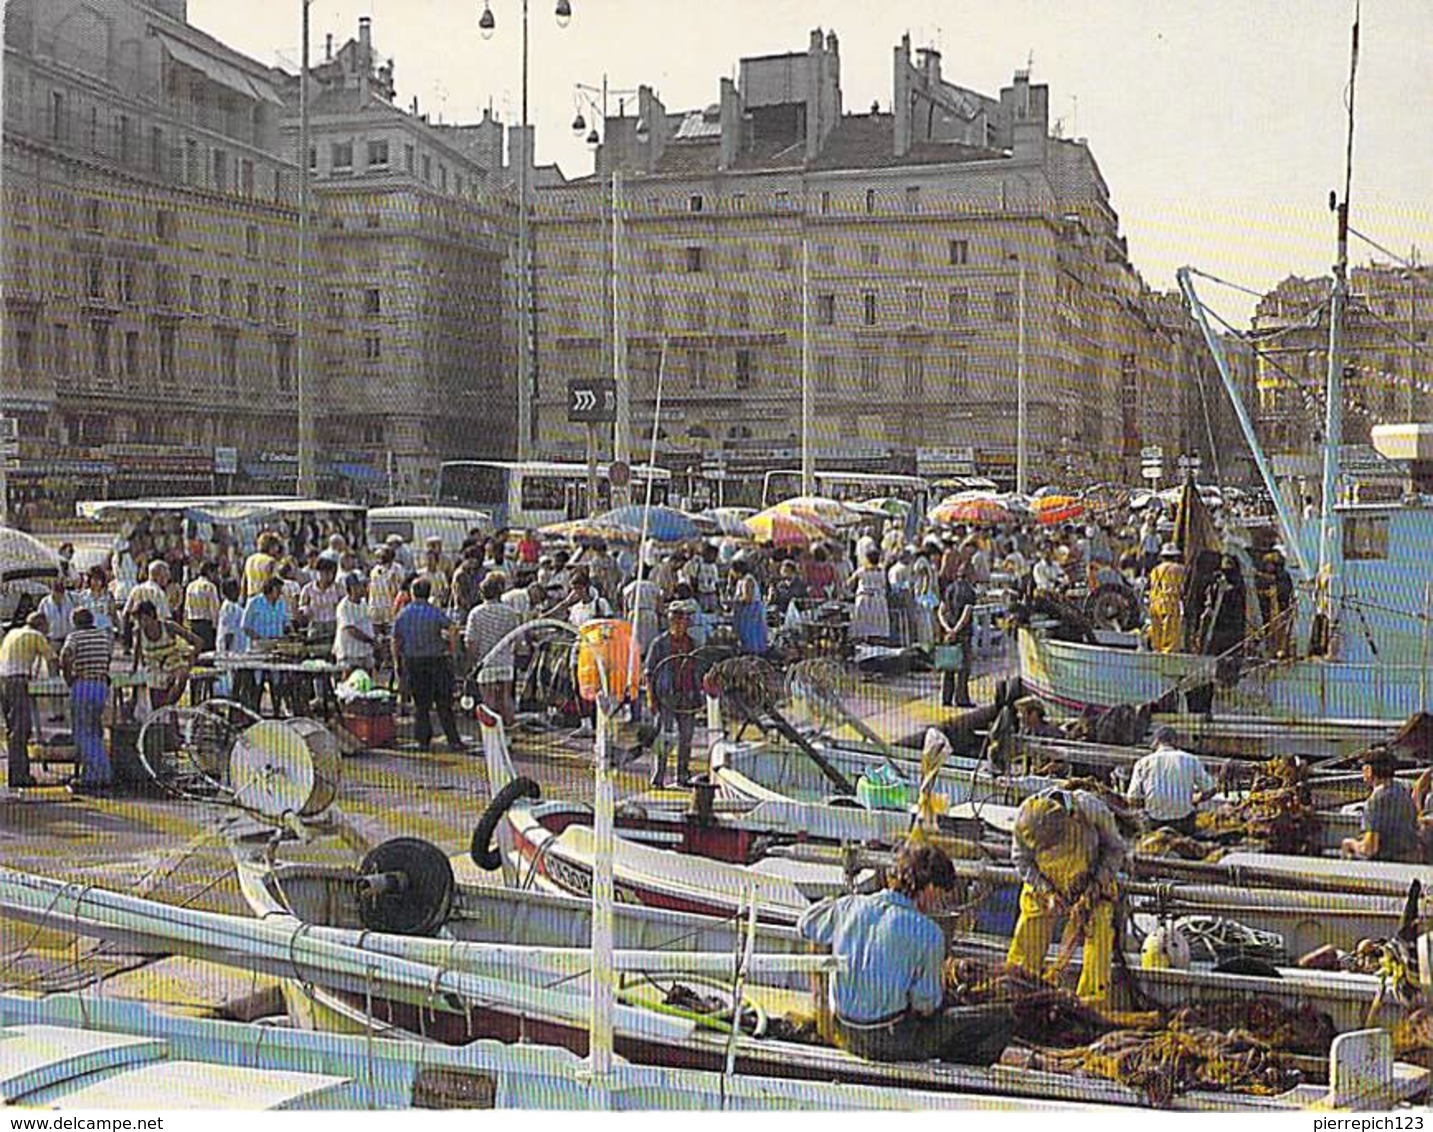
{"points": [[619, 473], [592, 401], [226, 461], [1151, 471], [1151, 453]]}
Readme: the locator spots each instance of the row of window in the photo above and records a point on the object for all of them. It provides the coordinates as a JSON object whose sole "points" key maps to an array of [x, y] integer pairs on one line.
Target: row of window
{"points": [[182, 161], [170, 293], [370, 303], [694, 258], [869, 202], [341, 163], [743, 374], [826, 307], [121, 354]]}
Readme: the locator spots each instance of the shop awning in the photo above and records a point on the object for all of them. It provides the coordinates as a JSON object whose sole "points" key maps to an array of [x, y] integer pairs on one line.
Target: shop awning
{"points": [[361, 473], [219, 71]]}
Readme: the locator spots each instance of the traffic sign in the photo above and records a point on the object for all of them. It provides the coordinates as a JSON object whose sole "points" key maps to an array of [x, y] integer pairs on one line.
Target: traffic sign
{"points": [[592, 401], [1151, 453], [1151, 471], [226, 461], [619, 473]]}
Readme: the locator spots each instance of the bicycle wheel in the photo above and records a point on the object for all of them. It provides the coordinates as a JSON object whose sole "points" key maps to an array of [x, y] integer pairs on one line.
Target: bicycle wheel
{"points": [[185, 749]]}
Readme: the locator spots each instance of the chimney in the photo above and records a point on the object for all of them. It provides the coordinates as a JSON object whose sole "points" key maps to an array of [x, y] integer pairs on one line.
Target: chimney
{"points": [[364, 62], [651, 111], [730, 125], [1030, 117], [901, 98]]}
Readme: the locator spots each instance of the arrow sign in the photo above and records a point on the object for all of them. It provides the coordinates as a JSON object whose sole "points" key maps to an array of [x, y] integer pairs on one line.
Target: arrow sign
{"points": [[591, 401]]}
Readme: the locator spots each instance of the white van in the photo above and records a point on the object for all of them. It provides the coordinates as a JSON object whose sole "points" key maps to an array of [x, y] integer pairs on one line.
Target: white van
{"points": [[415, 525]]}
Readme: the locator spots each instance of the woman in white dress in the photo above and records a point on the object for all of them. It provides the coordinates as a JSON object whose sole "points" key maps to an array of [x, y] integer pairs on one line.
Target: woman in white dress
{"points": [[871, 619]]}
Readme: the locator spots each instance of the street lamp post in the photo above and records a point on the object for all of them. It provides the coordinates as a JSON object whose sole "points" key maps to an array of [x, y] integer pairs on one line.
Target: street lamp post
{"points": [[487, 24], [307, 486], [612, 315], [1022, 463]]}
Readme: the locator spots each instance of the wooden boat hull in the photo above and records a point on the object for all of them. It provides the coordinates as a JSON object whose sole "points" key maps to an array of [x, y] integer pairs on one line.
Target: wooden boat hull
{"points": [[1076, 677]]}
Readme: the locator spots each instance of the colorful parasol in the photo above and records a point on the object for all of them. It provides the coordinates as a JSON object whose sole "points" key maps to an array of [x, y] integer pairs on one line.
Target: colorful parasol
{"points": [[829, 512], [982, 510], [1050, 509], [584, 532], [772, 527]]}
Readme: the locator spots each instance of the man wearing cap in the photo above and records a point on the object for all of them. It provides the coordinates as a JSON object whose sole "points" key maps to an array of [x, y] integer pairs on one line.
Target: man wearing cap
{"points": [[1169, 783], [674, 688], [1166, 601], [1390, 816], [1068, 852]]}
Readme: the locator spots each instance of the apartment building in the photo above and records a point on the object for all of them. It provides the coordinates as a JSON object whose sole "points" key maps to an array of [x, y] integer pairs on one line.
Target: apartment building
{"points": [[916, 252]]}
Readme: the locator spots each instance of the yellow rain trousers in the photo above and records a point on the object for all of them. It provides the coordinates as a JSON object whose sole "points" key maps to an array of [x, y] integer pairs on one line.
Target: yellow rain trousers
{"points": [[1065, 867], [1166, 615]]}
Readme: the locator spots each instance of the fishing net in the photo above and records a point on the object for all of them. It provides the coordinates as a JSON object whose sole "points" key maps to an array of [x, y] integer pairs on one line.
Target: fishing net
{"points": [[1166, 842], [1228, 1046], [1165, 1063], [1276, 815]]}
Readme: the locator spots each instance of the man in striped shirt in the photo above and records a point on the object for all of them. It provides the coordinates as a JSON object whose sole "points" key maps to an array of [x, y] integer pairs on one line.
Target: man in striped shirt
{"points": [[201, 605], [84, 659]]}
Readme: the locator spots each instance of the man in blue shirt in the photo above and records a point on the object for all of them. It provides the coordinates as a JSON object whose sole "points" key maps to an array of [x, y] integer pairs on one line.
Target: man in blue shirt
{"points": [[888, 1001], [423, 652], [266, 618]]}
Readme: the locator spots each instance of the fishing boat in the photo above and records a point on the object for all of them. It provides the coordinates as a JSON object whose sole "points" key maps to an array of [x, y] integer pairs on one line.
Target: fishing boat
{"points": [[1364, 563]]}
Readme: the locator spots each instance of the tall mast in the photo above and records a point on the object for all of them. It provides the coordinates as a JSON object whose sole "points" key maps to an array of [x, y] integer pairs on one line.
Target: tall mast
{"points": [[1330, 547]]}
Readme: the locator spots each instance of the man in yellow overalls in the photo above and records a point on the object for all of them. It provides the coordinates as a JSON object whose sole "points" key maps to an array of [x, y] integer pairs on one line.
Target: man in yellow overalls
{"points": [[1068, 852], [1166, 606]]}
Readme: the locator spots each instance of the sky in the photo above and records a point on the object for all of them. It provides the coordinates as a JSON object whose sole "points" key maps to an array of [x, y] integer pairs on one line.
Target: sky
{"points": [[1219, 125]]}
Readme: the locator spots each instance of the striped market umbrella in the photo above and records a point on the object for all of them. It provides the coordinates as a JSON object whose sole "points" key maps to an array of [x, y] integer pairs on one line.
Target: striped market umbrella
{"points": [[1050, 509], [772, 527], [970, 511]]}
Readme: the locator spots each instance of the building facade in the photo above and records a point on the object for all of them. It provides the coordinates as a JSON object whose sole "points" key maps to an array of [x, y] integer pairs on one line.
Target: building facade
{"points": [[414, 355], [914, 256], [1387, 373], [149, 227]]}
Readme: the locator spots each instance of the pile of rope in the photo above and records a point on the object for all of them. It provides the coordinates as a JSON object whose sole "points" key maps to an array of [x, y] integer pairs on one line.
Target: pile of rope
{"points": [[1165, 842], [1044, 1012], [1230, 1046], [1276, 815], [1178, 1059]]}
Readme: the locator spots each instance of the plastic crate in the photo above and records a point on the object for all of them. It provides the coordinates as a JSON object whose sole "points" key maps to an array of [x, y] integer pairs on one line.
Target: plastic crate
{"points": [[371, 730]]}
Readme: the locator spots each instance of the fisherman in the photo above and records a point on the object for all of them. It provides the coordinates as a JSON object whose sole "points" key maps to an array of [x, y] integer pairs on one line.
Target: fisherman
{"points": [[674, 688], [1275, 591], [1166, 609], [1068, 852], [1226, 619], [1169, 783], [1030, 713], [887, 1001], [1390, 816]]}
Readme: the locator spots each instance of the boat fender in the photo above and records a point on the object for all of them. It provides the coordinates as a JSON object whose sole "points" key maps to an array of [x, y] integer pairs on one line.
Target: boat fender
{"points": [[1165, 949], [481, 850]]}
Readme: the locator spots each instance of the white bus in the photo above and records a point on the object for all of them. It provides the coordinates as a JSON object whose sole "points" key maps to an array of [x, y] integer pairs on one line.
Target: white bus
{"points": [[535, 493], [849, 487]]}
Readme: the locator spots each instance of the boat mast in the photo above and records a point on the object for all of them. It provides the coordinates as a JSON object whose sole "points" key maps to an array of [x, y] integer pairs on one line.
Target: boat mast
{"points": [[1330, 547]]}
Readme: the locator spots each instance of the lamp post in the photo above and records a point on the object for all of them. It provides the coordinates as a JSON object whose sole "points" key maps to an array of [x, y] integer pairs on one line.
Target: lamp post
{"points": [[615, 331], [307, 486], [487, 25], [1022, 463]]}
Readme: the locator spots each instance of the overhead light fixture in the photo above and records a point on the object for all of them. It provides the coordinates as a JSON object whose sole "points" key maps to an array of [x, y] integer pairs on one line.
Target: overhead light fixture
{"points": [[486, 24], [564, 13]]}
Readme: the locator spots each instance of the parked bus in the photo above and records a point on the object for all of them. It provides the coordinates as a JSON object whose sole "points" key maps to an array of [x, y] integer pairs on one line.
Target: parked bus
{"points": [[534, 493], [849, 487]]}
